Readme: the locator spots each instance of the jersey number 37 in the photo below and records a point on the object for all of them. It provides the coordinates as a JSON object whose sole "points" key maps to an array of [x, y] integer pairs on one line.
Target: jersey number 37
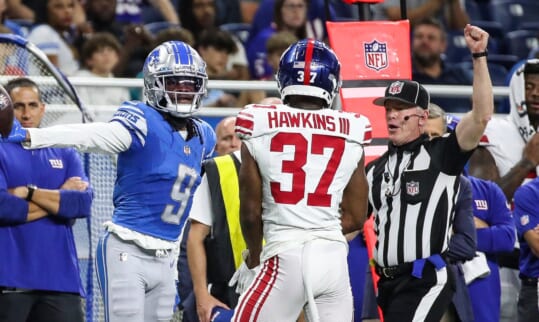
{"points": [[319, 197]]}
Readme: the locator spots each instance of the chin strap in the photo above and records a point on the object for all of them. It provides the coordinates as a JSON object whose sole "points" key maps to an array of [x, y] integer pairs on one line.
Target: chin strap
{"points": [[184, 123]]}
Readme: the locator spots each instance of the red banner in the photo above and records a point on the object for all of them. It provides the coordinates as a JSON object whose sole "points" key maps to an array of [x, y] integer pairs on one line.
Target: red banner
{"points": [[372, 54]]}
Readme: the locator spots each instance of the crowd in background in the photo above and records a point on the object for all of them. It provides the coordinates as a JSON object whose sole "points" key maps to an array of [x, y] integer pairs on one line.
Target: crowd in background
{"points": [[252, 35], [244, 40]]}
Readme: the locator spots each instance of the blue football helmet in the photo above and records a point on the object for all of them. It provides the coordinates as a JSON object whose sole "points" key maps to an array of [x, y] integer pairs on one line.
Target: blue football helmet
{"points": [[175, 78], [309, 68]]}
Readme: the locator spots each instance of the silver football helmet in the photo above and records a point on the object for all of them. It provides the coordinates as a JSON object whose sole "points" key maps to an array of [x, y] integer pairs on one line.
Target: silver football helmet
{"points": [[175, 78]]}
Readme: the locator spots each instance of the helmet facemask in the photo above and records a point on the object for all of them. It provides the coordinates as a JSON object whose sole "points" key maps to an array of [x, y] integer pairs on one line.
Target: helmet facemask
{"points": [[178, 95]]}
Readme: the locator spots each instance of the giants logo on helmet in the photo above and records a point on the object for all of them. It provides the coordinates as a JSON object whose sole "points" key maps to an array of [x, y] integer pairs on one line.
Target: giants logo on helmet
{"points": [[375, 55]]}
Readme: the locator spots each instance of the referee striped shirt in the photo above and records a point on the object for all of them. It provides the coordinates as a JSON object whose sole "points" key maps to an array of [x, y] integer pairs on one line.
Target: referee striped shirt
{"points": [[413, 190]]}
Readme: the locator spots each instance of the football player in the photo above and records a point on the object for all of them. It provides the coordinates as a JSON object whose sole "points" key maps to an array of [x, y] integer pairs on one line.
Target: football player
{"points": [[302, 185], [160, 147]]}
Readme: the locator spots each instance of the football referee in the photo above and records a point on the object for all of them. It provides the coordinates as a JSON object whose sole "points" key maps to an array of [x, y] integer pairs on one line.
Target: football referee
{"points": [[413, 189]]}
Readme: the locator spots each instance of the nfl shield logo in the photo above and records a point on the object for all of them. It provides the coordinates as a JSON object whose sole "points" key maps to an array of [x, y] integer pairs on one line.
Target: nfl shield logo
{"points": [[395, 88], [375, 55], [412, 188], [524, 220], [187, 150]]}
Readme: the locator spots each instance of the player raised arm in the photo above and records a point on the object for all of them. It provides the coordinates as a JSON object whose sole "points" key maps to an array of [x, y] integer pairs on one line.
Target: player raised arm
{"points": [[473, 124]]}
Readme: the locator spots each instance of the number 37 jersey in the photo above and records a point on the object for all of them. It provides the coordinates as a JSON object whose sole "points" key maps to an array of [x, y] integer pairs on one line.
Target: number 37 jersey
{"points": [[305, 159]]}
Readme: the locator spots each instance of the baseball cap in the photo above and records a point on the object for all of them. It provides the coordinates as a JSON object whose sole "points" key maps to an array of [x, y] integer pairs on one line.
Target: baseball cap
{"points": [[405, 91], [220, 314]]}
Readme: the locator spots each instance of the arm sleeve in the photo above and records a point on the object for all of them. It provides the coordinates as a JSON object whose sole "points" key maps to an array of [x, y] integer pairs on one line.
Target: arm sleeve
{"points": [[500, 235], [110, 137], [75, 204], [13, 210], [462, 245]]}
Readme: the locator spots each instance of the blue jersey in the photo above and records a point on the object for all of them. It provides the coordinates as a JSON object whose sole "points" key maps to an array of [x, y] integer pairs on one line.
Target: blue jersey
{"points": [[526, 216], [490, 205], [38, 255], [158, 174]]}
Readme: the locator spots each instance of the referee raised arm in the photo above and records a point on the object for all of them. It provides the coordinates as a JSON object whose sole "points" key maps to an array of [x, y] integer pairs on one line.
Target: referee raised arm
{"points": [[413, 189]]}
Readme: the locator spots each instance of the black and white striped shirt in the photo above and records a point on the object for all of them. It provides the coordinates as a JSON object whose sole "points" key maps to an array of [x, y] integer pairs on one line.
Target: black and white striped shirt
{"points": [[412, 191]]}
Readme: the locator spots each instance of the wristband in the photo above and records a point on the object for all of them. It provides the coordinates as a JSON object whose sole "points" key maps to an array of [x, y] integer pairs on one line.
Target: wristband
{"points": [[481, 54], [31, 188]]}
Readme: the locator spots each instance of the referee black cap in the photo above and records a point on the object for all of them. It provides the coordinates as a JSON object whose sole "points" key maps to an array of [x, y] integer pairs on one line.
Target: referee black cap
{"points": [[406, 91]]}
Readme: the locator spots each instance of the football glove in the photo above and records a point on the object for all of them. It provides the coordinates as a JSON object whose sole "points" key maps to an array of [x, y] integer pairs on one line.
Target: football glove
{"points": [[244, 276]]}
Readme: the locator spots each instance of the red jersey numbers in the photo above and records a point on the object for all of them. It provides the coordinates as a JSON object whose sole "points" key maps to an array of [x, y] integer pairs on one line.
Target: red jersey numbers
{"points": [[319, 197]]}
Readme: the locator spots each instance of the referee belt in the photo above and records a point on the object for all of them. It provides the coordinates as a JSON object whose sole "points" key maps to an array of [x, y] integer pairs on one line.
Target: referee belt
{"points": [[394, 271], [414, 268]]}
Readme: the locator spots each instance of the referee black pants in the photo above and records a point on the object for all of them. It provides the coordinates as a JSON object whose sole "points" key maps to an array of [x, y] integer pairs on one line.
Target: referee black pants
{"points": [[406, 298]]}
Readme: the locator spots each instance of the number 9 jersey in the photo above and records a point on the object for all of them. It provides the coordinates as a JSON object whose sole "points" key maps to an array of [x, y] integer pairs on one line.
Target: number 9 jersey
{"points": [[305, 159]]}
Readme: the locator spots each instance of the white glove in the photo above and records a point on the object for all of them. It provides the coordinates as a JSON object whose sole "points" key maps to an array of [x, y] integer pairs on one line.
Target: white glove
{"points": [[243, 277]]}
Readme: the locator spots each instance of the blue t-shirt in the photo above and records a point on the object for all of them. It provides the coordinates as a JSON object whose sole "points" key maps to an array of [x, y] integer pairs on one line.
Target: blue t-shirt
{"points": [[38, 255], [490, 205], [526, 215]]}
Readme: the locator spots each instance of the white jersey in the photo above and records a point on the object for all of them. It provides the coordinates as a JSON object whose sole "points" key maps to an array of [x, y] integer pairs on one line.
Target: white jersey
{"points": [[505, 143], [305, 159]]}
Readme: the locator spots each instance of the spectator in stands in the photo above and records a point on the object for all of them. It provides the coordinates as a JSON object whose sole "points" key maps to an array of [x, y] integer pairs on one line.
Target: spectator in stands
{"points": [[214, 47], [130, 11], [29, 10], [316, 16], [100, 55], [248, 9], [137, 43], [101, 17], [289, 15], [451, 12], [200, 15], [41, 193], [428, 45], [55, 33], [511, 159], [174, 33], [276, 45], [11, 26], [228, 11]]}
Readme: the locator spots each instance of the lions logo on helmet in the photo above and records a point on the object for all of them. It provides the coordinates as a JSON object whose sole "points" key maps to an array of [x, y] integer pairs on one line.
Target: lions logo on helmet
{"points": [[175, 78], [309, 68]]}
